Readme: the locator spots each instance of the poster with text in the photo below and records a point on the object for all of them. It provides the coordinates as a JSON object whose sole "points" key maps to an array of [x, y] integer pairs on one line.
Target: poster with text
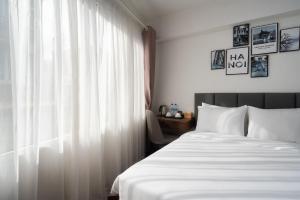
{"points": [[237, 61]]}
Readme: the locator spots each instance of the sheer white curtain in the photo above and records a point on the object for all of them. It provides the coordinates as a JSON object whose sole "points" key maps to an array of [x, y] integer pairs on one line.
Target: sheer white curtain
{"points": [[78, 99]]}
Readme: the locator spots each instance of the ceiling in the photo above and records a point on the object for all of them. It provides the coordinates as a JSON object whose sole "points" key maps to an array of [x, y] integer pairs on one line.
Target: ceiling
{"points": [[151, 9]]}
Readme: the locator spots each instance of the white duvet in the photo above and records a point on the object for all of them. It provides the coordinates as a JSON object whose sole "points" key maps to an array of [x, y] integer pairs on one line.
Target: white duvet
{"points": [[210, 166]]}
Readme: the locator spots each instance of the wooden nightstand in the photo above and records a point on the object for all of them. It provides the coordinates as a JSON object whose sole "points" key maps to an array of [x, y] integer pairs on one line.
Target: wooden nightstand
{"points": [[176, 126]]}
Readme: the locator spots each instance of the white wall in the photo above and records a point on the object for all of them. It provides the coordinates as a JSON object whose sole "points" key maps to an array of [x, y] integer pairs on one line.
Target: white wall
{"points": [[216, 14], [183, 65]]}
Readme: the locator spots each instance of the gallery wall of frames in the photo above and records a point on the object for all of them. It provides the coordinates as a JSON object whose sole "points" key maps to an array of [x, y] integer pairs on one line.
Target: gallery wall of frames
{"points": [[252, 49]]}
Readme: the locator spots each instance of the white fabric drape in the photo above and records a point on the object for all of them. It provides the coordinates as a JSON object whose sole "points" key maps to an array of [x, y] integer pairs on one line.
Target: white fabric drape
{"points": [[78, 99]]}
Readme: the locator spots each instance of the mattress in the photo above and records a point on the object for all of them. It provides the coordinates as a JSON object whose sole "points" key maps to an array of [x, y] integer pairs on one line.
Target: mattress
{"points": [[211, 166]]}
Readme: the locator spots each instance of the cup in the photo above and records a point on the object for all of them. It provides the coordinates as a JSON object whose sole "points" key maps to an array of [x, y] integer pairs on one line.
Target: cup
{"points": [[168, 114], [178, 115]]}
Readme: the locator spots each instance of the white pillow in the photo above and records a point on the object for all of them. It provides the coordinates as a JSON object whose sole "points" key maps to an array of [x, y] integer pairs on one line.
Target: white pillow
{"points": [[245, 119], [274, 124], [221, 119], [213, 106]]}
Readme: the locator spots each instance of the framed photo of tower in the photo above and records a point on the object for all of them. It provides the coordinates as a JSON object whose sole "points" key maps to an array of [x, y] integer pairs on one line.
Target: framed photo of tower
{"points": [[218, 59]]}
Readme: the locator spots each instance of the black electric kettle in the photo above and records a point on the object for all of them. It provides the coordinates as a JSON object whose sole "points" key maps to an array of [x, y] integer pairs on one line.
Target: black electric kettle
{"points": [[163, 109]]}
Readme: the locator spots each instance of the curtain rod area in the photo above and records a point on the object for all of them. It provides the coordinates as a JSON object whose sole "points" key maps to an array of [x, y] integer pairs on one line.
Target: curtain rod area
{"points": [[131, 13]]}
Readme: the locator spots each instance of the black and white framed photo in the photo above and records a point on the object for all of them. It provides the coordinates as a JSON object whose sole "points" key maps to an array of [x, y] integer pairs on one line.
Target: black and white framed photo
{"points": [[259, 66], [241, 35], [237, 61], [218, 59], [289, 39], [264, 39]]}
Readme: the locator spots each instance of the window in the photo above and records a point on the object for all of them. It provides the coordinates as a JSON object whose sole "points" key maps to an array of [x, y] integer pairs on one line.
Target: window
{"points": [[5, 84]]}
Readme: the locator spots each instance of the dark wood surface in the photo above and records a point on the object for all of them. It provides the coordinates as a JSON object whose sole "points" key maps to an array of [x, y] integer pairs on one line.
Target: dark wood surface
{"points": [[113, 197], [176, 126]]}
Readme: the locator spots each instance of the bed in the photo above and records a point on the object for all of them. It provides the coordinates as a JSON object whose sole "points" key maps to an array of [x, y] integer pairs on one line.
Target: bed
{"points": [[207, 165]]}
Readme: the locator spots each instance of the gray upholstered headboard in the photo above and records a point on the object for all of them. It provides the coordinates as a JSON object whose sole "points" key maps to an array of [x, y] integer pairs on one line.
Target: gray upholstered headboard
{"points": [[260, 100]]}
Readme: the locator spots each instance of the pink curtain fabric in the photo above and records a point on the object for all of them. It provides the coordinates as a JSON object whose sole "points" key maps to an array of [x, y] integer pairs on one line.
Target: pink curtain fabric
{"points": [[149, 40]]}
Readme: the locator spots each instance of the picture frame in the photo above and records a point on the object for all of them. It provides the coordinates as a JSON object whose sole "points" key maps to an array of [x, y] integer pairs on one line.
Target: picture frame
{"points": [[259, 66], [264, 39], [237, 61], [289, 39], [240, 35], [218, 59]]}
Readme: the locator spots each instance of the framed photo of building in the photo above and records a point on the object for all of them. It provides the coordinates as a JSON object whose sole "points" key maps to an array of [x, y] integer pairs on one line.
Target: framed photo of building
{"points": [[264, 39], [237, 61], [259, 66], [241, 35], [289, 39], [218, 59]]}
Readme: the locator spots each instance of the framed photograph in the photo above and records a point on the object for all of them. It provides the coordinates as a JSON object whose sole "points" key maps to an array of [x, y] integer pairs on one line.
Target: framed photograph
{"points": [[237, 61], [259, 66], [264, 39], [218, 59], [241, 35], [289, 39]]}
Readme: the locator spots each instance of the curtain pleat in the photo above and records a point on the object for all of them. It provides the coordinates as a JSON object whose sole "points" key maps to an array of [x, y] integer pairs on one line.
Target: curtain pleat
{"points": [[149, 41]]}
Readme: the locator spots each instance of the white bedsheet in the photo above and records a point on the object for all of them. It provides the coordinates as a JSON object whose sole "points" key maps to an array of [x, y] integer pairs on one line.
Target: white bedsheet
{"points": [[210, 166]]}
